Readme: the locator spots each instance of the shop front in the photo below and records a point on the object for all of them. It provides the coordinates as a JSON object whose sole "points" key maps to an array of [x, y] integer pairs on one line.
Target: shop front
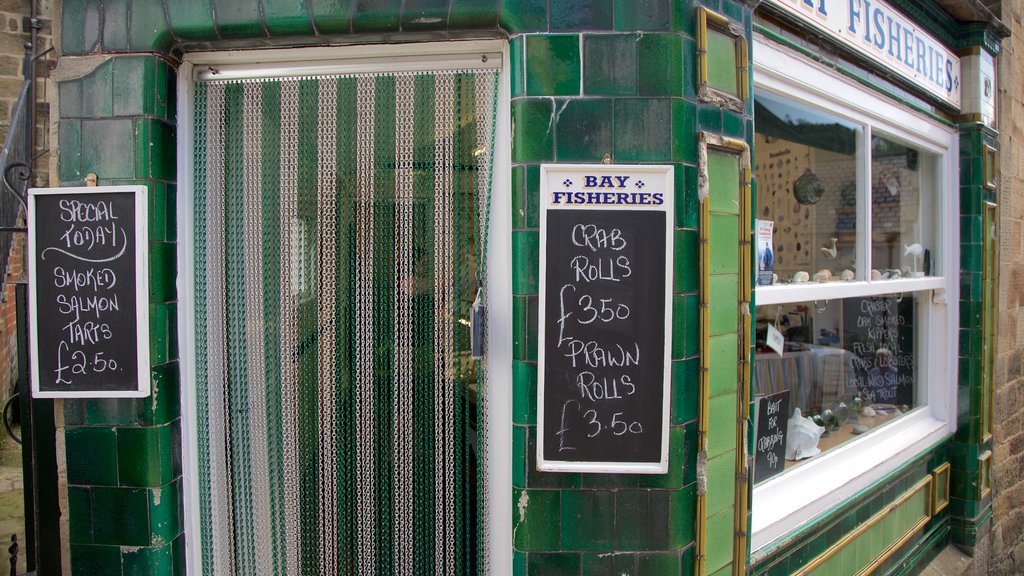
{"points": [[531, 287]]}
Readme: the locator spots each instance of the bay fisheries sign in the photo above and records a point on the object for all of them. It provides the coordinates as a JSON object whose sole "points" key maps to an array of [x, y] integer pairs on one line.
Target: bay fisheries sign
{"points": [[879, 32], [604, 353], [88, 292]]}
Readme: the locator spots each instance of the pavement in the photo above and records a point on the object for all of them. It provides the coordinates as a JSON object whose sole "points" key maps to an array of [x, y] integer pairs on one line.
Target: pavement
{"points": [[12, 500]]}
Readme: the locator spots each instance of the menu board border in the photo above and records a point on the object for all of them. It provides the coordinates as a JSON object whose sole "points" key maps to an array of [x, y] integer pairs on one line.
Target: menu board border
{"points": [[141, 266], [666, 171]]}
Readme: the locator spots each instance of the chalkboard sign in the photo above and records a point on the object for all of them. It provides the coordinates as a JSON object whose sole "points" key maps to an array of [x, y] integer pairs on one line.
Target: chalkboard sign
{"points": [[770, 421], [605, 318], [879, 331], [88, 292]]}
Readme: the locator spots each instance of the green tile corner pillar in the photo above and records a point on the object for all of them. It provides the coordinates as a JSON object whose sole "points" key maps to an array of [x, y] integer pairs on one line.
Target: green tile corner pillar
{"points": [[123, 456]]}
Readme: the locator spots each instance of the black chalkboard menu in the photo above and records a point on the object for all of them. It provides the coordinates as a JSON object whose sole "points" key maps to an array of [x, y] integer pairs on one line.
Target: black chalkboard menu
{"points": [[771, 419], [879, 331], [88, 292], [605, 318]]}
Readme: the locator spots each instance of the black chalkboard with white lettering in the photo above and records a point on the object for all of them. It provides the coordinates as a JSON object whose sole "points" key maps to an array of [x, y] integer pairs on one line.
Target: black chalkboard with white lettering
{"points": [[88, 292], [770, 421], [604, 336], [879, 331]]}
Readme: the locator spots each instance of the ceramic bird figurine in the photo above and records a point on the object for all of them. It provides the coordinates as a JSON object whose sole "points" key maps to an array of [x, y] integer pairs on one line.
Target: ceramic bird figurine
{"points": [[830, 252]]}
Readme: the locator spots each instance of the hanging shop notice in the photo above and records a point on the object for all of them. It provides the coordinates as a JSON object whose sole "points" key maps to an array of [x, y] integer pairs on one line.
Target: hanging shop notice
{"points": [[88, 292], [605, 317]]}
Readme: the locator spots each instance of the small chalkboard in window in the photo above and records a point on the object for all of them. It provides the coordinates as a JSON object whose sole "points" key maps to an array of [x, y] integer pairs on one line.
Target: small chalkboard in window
{"points": [[770, 421], [88, 292]]}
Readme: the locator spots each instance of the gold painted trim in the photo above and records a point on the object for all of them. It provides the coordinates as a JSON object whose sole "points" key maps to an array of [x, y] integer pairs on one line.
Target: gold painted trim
{"points": [[846, 540], [972, 117], [969, 51], [984, 481], [704, 238], [989, 316], [940, 505], [990, 167], [705, 92]]}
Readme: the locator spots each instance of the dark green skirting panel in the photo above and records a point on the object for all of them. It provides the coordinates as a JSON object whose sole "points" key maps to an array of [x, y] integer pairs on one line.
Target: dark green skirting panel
{"points": [[124, 455]]}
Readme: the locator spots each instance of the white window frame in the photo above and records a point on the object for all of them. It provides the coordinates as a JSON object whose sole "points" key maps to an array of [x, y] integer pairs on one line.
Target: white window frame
{"points": [[788, 501], [360, 59]]}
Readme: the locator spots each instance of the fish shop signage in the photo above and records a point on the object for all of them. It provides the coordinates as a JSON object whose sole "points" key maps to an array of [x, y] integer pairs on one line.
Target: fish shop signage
{"points": [[605, 318], [878, 32]]}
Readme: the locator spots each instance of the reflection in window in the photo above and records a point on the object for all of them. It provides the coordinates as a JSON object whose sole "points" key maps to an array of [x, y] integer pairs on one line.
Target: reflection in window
{"points": [[899, 192], [848, 365]]}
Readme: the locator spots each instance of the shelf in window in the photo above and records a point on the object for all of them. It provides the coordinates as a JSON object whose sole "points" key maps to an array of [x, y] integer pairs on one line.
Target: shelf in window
{"points": [[807, 291]]}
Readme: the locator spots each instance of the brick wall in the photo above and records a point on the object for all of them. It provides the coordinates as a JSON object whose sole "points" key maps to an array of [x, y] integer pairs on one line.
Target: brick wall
{"points": [[1008, 475]]}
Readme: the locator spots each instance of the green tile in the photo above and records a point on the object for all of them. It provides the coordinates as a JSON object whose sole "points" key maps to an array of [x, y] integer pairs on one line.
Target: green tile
{"points": [[73, 14], [70, 95], [614, 564], [518, 197], [588, 520], [584, 133], [332, 16], [370, 16], [91, 456], [237, 19], [709, 118], [722, 421], [69, 163], [163, 512], [723, 301], [683, 17], [733, 10], [679, 321], [148, 31], [733, 125], [425, 15], [686, 268], [134, 77], [660, 65], [690, 68], [287, 18], [469, 14], [685, 386], [664, 563], [524, 15], [518, 563], [517, 63], [724, 236], [722, 356], [640, 134], [721, 57], [162, 271], [121, 516], [526, 262], [532, 328], [155, 150], [721, 484], [109, 150], [553, 65], [533, 139], [519, 457], [162, 326], [146, 561], [682, 512], [191, 19], [647, 15], [162, 212], [79, 515], [581, 15], [519, 327], [691, 340], [720, 530], [143, 456], [115, 25], [690, 204], [684, 131], [111, 411], [561, 564], [88, 560], [163, 405], [723, 182], [98, 92], [642, 520], [533, 512], [610, 64], [524, 392]]}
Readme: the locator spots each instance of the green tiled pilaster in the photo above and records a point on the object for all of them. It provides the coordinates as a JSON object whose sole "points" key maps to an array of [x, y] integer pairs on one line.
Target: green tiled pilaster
{"points": [[123, 455]]}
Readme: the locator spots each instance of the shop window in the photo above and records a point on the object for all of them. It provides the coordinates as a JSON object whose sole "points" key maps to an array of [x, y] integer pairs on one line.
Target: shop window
{"points": [[854, 243]]}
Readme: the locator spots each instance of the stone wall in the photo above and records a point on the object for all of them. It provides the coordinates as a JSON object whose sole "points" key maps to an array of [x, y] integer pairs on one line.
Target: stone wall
{"points": [[1007, 538]]}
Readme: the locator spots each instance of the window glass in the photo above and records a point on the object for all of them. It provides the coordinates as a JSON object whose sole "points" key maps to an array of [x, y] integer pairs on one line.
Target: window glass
{"points": [[848, 365], [806, 166], [901, 188]]}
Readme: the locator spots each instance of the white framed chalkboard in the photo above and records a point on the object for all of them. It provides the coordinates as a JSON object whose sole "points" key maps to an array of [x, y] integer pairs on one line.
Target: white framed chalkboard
{"points": [[88, 292], [605, 318]]}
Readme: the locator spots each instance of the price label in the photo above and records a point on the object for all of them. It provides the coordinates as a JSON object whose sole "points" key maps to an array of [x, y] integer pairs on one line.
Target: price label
{"points": [[775, 339]]}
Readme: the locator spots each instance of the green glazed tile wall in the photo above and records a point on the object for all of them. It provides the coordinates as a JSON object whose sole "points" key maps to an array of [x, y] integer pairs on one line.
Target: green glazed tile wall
{"points": [[123, 455], [624, 91]]}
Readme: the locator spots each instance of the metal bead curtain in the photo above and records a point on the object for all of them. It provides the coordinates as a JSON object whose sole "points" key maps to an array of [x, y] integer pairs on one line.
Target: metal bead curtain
{"points": [[340, 225]]}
